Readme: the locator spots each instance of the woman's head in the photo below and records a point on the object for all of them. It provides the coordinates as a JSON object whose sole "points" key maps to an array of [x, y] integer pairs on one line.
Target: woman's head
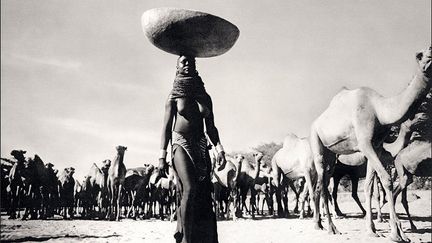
{"points": [[186, 65]]}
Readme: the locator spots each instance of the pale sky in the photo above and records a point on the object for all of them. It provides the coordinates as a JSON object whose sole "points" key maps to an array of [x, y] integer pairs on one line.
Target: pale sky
{"points": [[80, 77]]}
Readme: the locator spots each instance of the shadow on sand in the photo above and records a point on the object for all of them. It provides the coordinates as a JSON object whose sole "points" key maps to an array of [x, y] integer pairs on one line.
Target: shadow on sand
{"points": [[261, 217], [63, 237]]}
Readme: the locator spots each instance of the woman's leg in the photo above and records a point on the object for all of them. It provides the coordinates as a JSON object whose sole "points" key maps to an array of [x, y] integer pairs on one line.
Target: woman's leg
{"points": [[187, 178]]}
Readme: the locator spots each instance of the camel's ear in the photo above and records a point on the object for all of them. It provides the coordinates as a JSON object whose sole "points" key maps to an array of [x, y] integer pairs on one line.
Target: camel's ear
{"points": [[419, 56]]}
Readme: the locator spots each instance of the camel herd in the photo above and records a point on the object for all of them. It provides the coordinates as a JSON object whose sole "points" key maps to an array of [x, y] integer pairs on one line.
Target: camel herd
{"points": [[361, 134], [42, 191]]}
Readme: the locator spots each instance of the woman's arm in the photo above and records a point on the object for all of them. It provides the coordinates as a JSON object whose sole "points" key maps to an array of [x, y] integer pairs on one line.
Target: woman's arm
{"points": [[170, 109], [213, 134]]}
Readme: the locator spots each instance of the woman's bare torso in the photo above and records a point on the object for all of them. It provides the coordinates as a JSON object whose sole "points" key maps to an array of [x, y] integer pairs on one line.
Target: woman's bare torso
{"points": [[190, 114]]}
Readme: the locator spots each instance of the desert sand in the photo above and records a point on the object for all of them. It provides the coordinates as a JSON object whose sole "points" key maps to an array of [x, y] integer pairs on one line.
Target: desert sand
{"points": [[264, 229]]}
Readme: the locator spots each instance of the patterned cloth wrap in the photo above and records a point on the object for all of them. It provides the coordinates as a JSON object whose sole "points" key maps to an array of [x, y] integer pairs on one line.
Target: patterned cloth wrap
{"points": [[196, 148]]}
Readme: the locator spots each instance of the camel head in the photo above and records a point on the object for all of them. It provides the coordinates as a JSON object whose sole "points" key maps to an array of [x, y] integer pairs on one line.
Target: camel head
{"points": [[258, 156], [239, 157], [424, 60], [121, 149], [49, 166], [106, 163], [18, 155], [71, 171], [149, 169], [266, 169]]}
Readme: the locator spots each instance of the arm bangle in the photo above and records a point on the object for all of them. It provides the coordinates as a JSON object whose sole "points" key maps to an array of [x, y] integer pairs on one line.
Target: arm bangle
{"points": [[219, 148], [162, 154]]}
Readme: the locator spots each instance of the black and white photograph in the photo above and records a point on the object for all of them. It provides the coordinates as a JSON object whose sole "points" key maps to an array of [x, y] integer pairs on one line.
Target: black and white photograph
{"points": [[216, 121]]}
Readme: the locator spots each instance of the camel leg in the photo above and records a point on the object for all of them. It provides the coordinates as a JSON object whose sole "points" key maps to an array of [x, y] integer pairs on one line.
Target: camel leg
{"points": [[232, 200], [317, 151], [257, 202], [326, 196], [354, 194], [368, 189], [279, 201], [316, 196], [322, 180], [276, 173], [267, 201], [336, 180], [397, 233], [231, 207], [216, 195], [304, 194], [120, 187], [113, 202], [243, 198], [379, 198], [264, 201], [14, 205], [132, 209], [403, 178], [285, 201], [405, 205], [302, 186], [252, 202]]}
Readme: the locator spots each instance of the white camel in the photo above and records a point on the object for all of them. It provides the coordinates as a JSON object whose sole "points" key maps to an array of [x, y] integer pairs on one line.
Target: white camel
{"points": [[357, 121]]}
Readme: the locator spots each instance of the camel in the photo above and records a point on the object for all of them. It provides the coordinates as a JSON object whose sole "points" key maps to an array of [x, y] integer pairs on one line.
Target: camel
{"points": [[66, 184], [165, 193], [225, 186], [136, 185], [42, 186], [78, 189], [354, 165], [52, 189], [246, 180], [86, 198], [154, 178], [357, 121], [116, 177], [6, 166], [95, 191], [15, 187], [293, 161], [263, 185], [415, 158]]}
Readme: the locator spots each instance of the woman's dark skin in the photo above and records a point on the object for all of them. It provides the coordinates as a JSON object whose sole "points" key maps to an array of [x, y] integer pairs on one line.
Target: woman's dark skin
{"points": [[189, 116]]}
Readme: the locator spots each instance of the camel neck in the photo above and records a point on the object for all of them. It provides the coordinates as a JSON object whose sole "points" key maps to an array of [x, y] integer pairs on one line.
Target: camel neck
{"points": [[397, 109], [257, 169], [119, 159], [240, 162]]}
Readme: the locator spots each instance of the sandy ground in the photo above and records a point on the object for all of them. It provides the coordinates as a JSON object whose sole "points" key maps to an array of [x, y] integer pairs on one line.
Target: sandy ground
{"points": [[262, 230]]}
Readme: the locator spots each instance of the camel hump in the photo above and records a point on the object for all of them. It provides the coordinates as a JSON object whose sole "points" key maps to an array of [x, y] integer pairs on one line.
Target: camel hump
{"points": [[290, 140], [132, 172]]}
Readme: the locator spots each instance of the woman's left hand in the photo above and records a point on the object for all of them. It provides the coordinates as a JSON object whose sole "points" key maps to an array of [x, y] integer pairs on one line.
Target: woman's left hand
{"points": [[221, 160]]}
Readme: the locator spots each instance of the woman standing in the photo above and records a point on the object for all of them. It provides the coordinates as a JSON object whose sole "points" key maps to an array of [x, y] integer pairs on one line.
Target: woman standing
{"points": [[188, 116]]}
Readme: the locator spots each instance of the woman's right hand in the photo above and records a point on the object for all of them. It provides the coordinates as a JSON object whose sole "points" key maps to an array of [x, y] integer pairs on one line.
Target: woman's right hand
{"points": [[163, 166]]}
